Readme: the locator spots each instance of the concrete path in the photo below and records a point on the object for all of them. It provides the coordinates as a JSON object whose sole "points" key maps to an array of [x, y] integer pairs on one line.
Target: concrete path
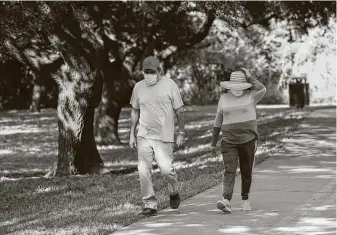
{"points": [[293, 192]]}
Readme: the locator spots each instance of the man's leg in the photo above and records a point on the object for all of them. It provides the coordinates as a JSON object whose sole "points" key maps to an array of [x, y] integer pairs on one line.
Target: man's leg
{"points": [[230, 156], [246, 156], [163, 153], [145, 158]]}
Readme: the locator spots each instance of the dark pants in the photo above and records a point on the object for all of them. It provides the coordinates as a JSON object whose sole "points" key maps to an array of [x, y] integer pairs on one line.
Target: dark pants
{"points": [[231, 153]]}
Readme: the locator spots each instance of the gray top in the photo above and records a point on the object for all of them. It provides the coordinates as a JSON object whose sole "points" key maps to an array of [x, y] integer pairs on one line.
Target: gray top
{"points": [[157, 104]]}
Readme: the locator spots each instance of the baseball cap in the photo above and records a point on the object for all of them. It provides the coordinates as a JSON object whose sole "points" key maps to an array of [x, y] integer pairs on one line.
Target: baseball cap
{"points": [[151, 62]]}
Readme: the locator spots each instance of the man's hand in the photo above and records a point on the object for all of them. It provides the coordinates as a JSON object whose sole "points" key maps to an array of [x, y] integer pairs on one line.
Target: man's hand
{"points": [[133, 142], [180, 139]]}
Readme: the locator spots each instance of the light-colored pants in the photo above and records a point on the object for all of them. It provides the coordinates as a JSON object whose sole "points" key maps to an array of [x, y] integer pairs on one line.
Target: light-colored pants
{"points": [[162, 152]]}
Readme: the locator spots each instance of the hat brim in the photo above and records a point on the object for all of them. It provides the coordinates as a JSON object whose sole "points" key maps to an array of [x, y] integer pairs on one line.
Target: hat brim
{"points": [[235, 85], [150, 67]]}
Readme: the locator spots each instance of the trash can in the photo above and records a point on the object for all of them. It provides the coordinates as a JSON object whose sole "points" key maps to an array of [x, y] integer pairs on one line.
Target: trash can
{"points": [[298, 92]]}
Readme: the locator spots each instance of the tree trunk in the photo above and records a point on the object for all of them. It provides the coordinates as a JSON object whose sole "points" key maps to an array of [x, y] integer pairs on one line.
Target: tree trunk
{"points": [[79, 94], [78, 153], [41, 78], [107, 116], [116, 94], [106, 124], [36, 97]]}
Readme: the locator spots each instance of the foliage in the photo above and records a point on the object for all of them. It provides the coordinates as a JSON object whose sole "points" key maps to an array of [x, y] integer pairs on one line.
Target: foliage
{"points": [[127, 31], [264, 45], [135, 29], [257, 33], [315, 58]]}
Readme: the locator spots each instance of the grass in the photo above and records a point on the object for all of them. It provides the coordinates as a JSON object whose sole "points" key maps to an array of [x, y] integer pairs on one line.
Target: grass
{"points": [[31, 204]]}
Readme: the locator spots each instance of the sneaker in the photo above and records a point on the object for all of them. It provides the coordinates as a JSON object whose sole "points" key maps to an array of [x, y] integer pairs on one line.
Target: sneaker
{"points": [[148, 212], [224, 205], [245, 205], [175, 201]]}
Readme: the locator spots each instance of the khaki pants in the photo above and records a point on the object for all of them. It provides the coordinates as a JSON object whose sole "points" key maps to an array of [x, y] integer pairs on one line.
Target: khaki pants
{"points": [[162, 152]]}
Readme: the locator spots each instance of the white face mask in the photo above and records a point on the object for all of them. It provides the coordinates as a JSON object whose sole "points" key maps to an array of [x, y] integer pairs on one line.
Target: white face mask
{"points": [[150, 79], [237, 93]]}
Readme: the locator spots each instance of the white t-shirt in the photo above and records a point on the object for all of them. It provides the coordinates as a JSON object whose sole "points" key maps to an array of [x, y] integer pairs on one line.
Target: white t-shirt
{"points": [[157, 104]]}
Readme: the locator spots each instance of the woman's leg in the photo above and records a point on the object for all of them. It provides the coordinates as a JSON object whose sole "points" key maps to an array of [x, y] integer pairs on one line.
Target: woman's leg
{"points": [[230, 156], [246, 156]]}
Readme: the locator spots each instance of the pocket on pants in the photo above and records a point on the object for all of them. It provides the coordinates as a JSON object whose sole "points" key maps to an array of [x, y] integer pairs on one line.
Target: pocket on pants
{"points": [[223, 147], [142, 131]]}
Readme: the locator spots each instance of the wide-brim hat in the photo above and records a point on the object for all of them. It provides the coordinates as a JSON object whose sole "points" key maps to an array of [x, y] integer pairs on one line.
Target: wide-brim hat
{"points": [[237, 81]]}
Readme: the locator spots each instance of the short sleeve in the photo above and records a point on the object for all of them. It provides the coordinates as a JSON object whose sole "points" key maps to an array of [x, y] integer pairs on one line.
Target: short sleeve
{"points": [[177, 102], [219, 108], [134, 98]]}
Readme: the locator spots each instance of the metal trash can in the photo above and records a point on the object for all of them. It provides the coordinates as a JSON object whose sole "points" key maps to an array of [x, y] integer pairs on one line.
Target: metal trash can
{"points": [[298, 92]]}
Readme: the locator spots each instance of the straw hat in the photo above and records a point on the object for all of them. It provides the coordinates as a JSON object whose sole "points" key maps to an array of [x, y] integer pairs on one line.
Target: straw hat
{"points": [[237, 81]]}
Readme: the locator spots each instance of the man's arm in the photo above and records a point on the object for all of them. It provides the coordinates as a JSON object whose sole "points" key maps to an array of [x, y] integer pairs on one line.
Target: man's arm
{"points": [[135, 111], [181, 123], [178, 107], [134, 121], [181, 119]]}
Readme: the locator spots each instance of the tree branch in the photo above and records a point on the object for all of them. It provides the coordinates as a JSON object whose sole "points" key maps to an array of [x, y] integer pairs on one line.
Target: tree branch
{"points": [[170, 60], [19, 55], [203, 32], [263, 22]]}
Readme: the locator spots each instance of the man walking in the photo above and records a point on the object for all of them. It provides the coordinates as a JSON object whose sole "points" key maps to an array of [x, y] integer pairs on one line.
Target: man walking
{"points": [[155, 101]]}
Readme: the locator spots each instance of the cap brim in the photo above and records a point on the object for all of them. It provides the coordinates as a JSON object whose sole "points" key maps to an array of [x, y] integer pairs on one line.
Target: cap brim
{"points": [[150, 67], [235, 85]]}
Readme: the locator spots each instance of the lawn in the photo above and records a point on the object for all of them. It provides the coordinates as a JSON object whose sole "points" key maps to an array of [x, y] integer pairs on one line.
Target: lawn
{"points": [[31, 204]]}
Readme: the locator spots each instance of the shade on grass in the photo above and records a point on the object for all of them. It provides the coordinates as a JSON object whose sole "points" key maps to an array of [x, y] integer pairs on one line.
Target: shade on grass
{"points": [[99, 205]]}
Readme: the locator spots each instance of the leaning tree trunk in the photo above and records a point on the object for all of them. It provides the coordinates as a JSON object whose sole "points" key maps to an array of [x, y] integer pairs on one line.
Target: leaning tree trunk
{"points": [[78, 153], [79, 95]]}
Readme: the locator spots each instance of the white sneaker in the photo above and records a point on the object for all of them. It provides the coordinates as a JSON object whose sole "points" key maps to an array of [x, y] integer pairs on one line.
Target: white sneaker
{"points": [[245, 205], [224, 205]]}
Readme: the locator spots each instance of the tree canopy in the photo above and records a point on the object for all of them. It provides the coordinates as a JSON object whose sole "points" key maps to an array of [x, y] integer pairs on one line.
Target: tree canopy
{"points": [[112, 38]]}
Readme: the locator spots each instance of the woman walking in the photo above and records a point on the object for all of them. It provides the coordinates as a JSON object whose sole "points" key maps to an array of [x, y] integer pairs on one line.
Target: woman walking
{"points": [[236, 116]]}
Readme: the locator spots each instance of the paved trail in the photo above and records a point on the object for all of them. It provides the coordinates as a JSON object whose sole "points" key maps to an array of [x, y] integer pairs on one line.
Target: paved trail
{"points": [[293, 192]]}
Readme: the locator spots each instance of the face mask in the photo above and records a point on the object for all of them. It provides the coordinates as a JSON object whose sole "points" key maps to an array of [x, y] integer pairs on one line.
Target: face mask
{"points": [[151, 79], [237, 93]]}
